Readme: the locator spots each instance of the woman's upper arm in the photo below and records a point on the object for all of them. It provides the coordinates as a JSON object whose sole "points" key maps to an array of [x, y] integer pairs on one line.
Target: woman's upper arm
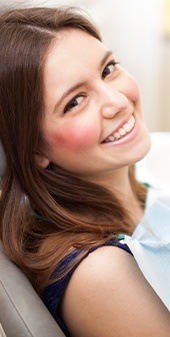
{"points": [[108, 296]]}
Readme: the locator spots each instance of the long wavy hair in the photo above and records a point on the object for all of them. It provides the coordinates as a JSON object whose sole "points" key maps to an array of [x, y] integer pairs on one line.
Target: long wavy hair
{"points": [[44, 213]]}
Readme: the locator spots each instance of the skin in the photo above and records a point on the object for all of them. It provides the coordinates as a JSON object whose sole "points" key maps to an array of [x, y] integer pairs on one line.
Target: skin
{"points": [[105, 101], [106, 97], [107, 294]]}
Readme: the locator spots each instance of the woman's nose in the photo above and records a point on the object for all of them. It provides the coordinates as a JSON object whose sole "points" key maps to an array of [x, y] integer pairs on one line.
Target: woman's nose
{"points": [[112, 102]]}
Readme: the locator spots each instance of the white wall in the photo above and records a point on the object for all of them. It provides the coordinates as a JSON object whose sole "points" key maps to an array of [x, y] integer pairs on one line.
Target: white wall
{"points": [[133, 29]]}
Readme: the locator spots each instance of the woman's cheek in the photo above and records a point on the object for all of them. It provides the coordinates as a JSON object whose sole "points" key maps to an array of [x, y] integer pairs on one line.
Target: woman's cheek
{"points": [[75, 136], [132, 89]]}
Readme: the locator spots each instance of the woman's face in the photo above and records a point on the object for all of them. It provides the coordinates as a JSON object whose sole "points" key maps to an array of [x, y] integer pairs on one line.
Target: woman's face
{"points": [[93, 119]]}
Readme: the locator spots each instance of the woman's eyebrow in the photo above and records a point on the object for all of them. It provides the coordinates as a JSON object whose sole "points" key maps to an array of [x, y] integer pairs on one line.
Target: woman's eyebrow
{"points": [[68, 92], [104, 59], [80, 84]]}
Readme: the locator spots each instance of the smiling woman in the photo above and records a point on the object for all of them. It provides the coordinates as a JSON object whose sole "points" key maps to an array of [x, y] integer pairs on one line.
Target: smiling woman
{"points": [[71, 126], [98, 103]]}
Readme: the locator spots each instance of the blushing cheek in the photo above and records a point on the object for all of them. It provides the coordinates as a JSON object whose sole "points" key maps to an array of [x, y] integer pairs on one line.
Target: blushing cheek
{"points": [[74, 137]]}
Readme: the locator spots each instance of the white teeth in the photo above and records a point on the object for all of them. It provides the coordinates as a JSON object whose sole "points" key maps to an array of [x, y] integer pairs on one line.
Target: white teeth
{"points": [[122, 132], [111, 138], [131, 121], [126, 128], [117, 135]]}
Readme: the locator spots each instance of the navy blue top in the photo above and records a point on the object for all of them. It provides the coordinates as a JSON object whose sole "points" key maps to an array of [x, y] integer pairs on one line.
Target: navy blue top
{"points": [[53, 293]]}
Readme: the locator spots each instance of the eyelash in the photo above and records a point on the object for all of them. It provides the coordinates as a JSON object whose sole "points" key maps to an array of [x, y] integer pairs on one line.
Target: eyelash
{"points": [[112, 63], [68, 106]]}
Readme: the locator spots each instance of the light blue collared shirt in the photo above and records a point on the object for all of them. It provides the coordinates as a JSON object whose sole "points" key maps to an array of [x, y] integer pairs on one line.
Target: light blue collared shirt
{"points": [[150, 243]]}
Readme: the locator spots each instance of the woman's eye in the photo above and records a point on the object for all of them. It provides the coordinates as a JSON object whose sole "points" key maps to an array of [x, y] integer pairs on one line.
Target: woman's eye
{"points": [[109, 69], [74, 103]]}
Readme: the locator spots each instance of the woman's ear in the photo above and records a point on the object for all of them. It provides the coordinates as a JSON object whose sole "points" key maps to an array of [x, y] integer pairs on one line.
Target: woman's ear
{"points": [[41, 160]]}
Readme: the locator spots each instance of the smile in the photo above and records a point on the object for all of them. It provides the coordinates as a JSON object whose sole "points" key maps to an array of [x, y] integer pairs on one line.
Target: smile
{"points": [[120, 133]]}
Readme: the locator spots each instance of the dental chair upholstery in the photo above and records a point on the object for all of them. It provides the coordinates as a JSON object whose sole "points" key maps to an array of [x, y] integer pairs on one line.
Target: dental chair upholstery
{"points": [[22, 313]]}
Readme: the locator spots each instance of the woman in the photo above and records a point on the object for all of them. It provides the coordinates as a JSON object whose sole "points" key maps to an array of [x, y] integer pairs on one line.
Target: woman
{"points": [[71, 127]]}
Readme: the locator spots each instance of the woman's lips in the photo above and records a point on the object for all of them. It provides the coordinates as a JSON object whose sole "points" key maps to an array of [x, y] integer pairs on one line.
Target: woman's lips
{"points": [[122, 131]]}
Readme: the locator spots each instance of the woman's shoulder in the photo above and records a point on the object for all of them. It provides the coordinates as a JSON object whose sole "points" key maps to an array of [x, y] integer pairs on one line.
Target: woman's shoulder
{"points": [[53, 293], [99, 262], [71, 259], [107, 261], [108, 295]]}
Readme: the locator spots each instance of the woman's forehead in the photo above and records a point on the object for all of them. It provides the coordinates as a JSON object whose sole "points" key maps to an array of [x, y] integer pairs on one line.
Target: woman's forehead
{"points": [[71, 47], [72, 59]]}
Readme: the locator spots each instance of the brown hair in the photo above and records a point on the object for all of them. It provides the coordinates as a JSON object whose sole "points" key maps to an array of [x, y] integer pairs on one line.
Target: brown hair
{"points": [[44, 213]]}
